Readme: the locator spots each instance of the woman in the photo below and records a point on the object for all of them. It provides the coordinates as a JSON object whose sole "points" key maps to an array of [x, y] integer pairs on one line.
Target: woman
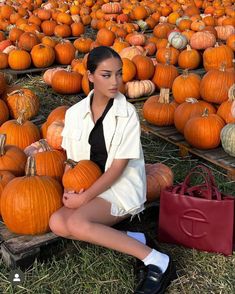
{"points": [[105, 128]]}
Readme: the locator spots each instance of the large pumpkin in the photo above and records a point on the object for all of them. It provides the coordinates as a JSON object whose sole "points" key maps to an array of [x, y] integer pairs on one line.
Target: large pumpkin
{"points": [[49, 162], [185, 86], [215, 85], [203, 132], [164, 75], [188, 109], [19, 132], [159, 176], [28, 202], [22, 100], [66, 82], [4, 112], [80, 175], [159, 110]]}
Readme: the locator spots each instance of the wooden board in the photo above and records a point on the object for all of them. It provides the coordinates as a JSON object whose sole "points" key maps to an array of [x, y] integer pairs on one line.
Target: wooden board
{"points": [[22, 250], [216, 156]]}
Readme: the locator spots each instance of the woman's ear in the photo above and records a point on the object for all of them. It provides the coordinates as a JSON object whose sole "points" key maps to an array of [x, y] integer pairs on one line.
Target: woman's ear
{"points": [[90, 76]]}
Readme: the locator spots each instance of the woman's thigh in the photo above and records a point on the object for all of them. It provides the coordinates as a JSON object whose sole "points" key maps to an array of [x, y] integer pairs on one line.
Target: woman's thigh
{"points": [[97, 210]]}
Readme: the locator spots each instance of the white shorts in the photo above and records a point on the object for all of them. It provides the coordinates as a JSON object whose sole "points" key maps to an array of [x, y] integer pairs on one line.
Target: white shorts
{"points": [[117, 208]]}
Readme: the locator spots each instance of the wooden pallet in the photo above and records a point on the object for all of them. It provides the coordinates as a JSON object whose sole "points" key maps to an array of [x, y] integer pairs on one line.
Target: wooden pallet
{"points": [[216, 156], [22, 250]]}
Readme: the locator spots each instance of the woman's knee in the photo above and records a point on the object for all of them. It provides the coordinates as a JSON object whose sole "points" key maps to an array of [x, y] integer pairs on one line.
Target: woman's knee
{"points": [[58, 225]]}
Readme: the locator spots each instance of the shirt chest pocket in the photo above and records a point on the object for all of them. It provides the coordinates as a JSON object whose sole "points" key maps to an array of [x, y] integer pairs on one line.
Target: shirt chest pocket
{"points": [[72, 134]]}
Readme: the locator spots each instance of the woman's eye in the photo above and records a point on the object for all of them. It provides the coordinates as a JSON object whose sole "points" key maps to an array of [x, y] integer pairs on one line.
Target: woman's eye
{"points": [[106, 76]]}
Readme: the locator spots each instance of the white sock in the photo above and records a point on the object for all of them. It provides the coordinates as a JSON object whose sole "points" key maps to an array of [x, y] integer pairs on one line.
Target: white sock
{"points": [[157, 258], [138, 236]]}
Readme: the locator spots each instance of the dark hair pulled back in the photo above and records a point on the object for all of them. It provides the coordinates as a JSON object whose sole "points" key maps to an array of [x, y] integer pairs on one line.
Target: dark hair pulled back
{"points": [[99, 54]]}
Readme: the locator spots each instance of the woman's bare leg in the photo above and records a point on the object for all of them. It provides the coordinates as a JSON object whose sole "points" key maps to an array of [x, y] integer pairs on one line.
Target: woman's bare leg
{"points": [[91, 223]]}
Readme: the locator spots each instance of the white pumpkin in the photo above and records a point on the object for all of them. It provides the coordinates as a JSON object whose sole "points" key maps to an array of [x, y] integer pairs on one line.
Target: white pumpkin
{"points": [[177, 40], [227, 137], [136, 89]]}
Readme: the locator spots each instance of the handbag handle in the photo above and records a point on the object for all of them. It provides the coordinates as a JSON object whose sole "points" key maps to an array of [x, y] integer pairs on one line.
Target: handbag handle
{"points": [[209, 183], [206, 171]]}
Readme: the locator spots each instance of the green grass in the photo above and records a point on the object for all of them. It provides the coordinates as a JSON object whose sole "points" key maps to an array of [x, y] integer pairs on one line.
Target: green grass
{"points": [[80, 268]]}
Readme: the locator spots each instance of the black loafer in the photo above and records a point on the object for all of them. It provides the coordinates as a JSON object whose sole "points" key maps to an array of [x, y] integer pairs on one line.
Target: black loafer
{"points": [[140, 268], [156, 282]]}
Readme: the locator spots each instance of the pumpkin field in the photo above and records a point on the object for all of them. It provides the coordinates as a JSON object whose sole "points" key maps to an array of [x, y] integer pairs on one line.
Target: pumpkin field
{"points": [[178, 71]]}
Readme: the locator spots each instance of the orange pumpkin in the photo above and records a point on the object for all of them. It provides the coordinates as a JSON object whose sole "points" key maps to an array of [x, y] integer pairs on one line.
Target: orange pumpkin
{"points": [[159, 176], [53, 135], [12, 158], [38, 197], [80, 175], [159, 110], [185, 86], [203, 132]]}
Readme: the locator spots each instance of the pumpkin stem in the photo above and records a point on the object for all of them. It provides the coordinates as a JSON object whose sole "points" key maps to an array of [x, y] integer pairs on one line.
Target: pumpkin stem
{"points": [[191, 100], [3, 138], [20, 119], [71, 163], [168, 57], [18, 92], [223, 66], [30, 169], [205, 112], [188, 47], [185, 73], [44, 145], [164, 96]]}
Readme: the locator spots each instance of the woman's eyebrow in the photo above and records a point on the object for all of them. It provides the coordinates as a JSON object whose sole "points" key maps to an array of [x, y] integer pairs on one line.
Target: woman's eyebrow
{"points": [[108, 71]]}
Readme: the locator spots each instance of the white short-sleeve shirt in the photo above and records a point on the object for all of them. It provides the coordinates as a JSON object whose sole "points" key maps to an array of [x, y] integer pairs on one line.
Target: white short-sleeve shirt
{"points": [[122, 139]]}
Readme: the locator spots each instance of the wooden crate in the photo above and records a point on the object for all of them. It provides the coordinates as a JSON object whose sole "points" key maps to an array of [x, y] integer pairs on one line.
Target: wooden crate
{"points": [[216, 156], [22, 250]]}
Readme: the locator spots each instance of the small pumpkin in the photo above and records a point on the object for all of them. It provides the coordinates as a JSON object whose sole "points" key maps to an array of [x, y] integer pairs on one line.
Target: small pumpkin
{"points": [[12, 158], [38, 197], [80, 175], [177, 40], [136, 89], [227, 136], [202, 40], [189, 58], [53, 135], [42, 55]]}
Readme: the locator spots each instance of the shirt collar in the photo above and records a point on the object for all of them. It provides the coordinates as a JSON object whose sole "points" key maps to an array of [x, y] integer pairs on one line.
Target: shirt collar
{"points": [[119, 104]]}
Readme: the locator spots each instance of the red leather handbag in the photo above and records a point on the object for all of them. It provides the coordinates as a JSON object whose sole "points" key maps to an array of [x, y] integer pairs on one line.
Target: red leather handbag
{"points": [[199, 217]]}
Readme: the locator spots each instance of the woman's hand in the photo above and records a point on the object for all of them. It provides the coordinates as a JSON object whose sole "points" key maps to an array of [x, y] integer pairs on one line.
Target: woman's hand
{"points": [[75, 200]]}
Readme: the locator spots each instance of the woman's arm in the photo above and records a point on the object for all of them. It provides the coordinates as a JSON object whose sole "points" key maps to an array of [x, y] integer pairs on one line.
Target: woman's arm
{"points": [[75, 200], [107, 179]]}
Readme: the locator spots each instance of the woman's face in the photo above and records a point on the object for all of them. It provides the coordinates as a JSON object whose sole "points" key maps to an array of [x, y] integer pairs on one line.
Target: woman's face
{"points": [[107, 78]]}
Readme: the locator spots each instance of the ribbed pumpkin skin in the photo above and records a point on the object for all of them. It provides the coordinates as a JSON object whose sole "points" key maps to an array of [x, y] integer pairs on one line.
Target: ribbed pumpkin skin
{"points": [[50, 163], [204, 132], [159, 176], [228, 139], [187, 110], [160, 114], [23, 99], [5, 178], [215, 85], [82, 176], [20, 135], [13, 160], [164, 75], [185, 86], [28, 202]]}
